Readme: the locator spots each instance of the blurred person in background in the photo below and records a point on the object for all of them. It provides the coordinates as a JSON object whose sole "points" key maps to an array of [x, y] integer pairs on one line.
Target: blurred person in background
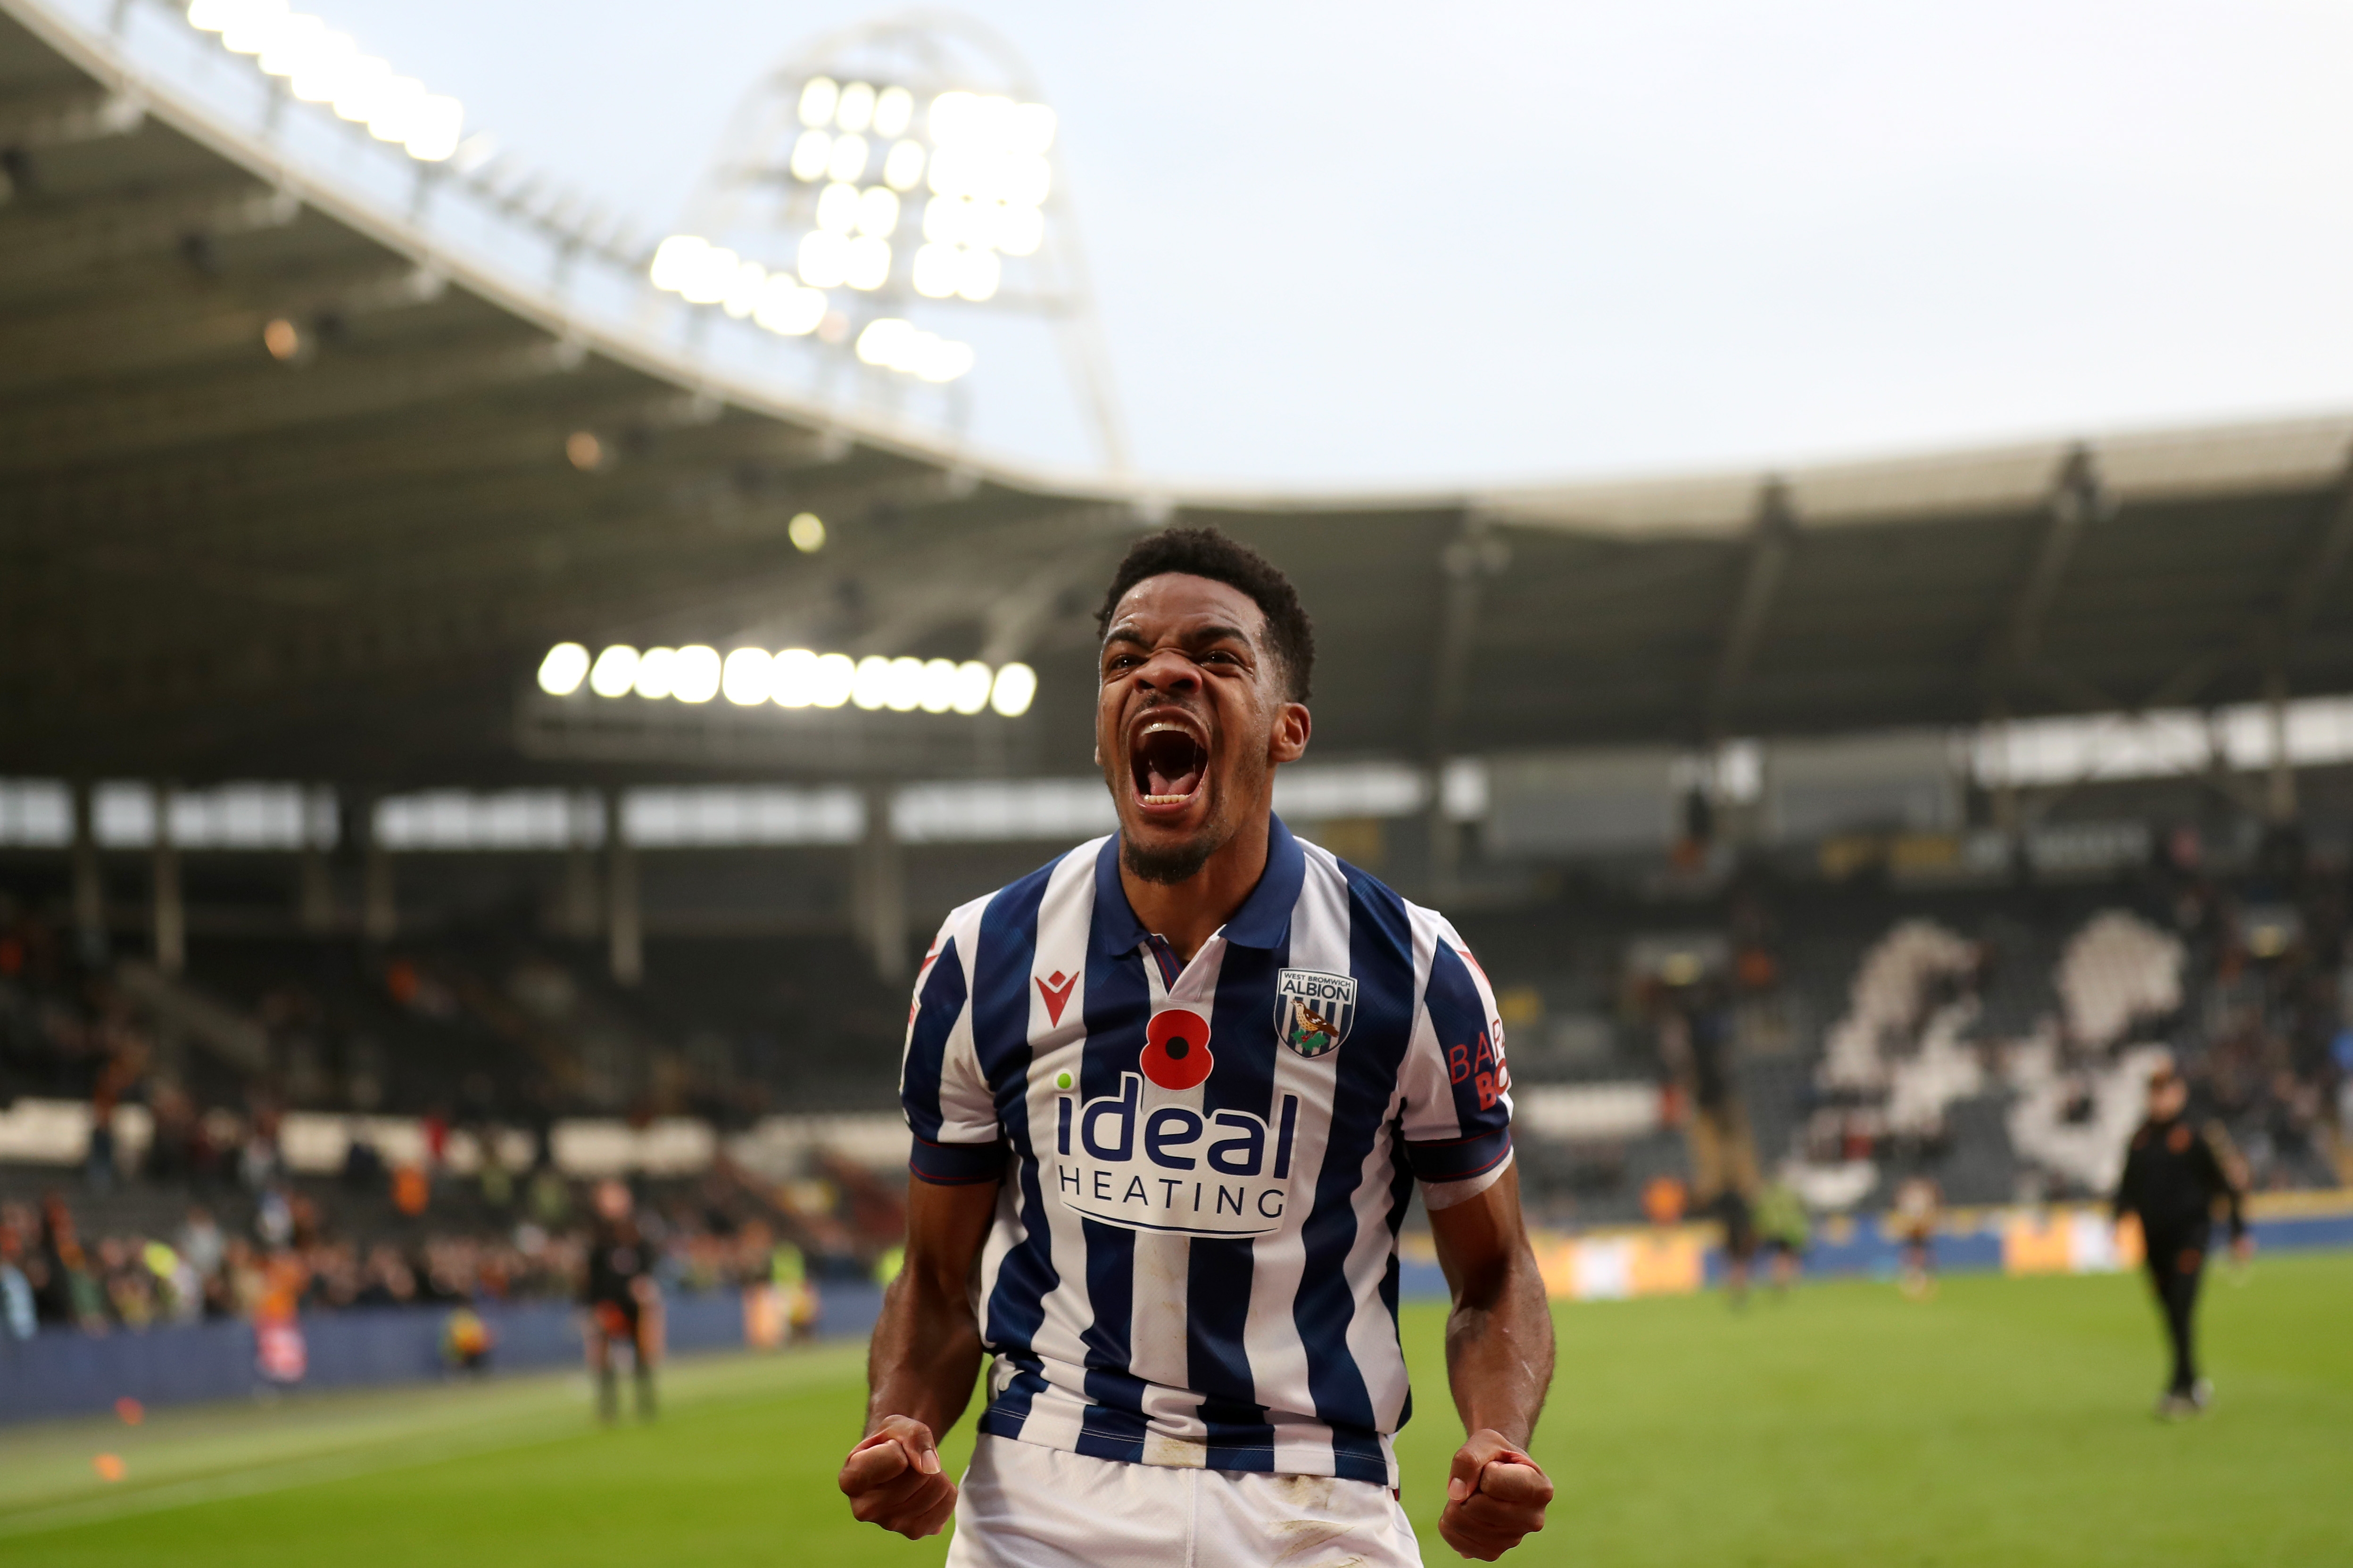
{"points": [[17, 1315], [2175, 1176], [1783, 1231], [1918, 1205], [624, 1306]]}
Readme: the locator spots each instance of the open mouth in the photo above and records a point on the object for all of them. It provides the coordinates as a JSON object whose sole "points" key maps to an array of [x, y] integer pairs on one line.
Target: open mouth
{"points": [[1168, 760]]}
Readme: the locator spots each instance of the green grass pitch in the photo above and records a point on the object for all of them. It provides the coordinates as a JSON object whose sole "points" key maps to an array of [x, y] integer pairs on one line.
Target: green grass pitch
{"points": [[2005, 1422]]}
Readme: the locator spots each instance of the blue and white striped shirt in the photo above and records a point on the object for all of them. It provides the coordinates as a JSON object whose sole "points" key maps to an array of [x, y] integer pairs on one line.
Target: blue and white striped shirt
{"points": [[1204, 1164]]}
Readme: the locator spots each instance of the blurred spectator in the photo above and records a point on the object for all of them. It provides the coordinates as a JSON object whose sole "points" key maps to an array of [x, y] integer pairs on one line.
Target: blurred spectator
{"points": [[16, 1316]]}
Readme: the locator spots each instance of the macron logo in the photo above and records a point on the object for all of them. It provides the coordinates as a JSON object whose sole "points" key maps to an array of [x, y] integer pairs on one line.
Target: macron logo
{"points": [[1056, 989]]}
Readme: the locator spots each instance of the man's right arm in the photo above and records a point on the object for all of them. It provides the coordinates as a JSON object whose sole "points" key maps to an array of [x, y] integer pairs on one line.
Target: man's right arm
{"points": [[924, 1357]]}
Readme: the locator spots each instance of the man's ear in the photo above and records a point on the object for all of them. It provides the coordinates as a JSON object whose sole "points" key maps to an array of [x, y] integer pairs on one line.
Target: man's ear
{"points": [[1293, 725]]}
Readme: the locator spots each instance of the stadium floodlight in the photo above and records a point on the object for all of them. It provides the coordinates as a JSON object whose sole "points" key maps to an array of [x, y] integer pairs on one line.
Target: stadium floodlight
{"points": [[615, 673], [1016, 689], [972, 687], [842, 151], [939, 686], [807, 531], [837, 677], [695, 678], [746, 676], [564, 669], [657, 670], [872, 689], [790, 677], [321, 65], [904, 690]]}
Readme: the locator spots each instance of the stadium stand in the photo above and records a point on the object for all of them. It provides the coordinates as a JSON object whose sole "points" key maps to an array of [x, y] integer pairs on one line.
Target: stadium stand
{"points": [[1876, 817]]}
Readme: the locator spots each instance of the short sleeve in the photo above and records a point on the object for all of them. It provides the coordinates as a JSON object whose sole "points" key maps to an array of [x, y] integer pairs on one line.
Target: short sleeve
{"points": [[942, 1089], [1458, 1106]]}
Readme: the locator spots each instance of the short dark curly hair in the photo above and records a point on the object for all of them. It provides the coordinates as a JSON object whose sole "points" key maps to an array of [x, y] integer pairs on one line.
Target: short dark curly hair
{"points": [[1207, 553]]}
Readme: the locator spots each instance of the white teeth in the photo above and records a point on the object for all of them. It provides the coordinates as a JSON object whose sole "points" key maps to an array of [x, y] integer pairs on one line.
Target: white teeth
{"points": [[1165, 799]]}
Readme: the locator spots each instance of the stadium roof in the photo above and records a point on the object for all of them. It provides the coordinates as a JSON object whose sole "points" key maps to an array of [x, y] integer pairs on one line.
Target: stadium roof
{"points": [[214, 563]]}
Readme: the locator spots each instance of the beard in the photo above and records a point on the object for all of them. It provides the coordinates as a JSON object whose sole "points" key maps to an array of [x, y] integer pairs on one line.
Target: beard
{"points": [[1178, 862]]}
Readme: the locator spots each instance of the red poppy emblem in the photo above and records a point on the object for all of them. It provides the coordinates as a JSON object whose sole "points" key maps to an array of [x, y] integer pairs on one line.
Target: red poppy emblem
{"points": [[1176, 1048]]}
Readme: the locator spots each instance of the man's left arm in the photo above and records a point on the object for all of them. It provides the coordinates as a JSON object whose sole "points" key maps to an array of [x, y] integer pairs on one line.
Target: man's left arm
{"points": [[1499, 1362]]}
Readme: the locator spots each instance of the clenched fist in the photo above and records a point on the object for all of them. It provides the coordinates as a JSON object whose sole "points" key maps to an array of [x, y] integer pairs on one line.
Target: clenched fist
{"points": [[892, 1479], [1496, 1496]]}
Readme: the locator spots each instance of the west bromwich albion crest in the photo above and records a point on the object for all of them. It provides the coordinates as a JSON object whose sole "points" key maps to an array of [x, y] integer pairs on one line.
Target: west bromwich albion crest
{"points": [[1313, 1010]]}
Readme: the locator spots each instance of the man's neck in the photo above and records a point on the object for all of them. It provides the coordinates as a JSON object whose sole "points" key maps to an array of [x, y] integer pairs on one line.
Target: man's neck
{"points": [[1188, 914]]}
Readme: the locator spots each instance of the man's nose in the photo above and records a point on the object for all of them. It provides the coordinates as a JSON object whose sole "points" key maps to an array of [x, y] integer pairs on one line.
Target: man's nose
{"points": [[1169, 671]]}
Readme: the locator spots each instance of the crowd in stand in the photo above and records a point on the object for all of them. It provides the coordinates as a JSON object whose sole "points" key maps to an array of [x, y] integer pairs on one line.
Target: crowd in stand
{"points": [[724, 1233]]}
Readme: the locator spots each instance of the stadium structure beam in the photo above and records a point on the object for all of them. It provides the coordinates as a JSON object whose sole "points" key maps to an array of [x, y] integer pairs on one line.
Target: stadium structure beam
{"points": [[1771, 538], [170, 920], [2010, 651], [89, 879], [1475, 552], [624, 944]]}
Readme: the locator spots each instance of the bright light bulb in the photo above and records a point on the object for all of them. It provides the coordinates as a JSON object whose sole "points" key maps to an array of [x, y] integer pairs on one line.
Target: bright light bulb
{"points": [[811, 154], [977, 272], [254, 23], [319, 76], [894, 107], [847, 161], [786, 308], [435, 126], [564, 669], [677, 259], [290, 45], [696, 676], [856, 110], [943, 361], [361, 88], [1023, 180], [903, 167], [824, 258], [712, 275], [744, 289], [872, 689], [806, 531], [883, 340], [792, 678], [395, 105], [819, 94], [837, 677], [745, 676], [937, 692], [936, 271], [905, 685], [656, 673], [837, 208], [1017, 230], [1016, 689], [949, 116], [614, 671], [868, 264], [878, 211], [946, 219], [972, 683]]}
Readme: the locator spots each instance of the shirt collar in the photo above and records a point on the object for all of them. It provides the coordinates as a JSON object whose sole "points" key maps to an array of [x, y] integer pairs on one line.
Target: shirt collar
{"points": [[1262, 921]]}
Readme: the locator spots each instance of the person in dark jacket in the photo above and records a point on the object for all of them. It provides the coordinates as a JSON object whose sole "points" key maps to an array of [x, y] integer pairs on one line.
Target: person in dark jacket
{"points": [[624, 1307], [2175, 1176]]}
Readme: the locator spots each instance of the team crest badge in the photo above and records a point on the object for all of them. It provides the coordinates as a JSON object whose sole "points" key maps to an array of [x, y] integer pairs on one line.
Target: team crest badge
{"points": [[1313, 1010]]}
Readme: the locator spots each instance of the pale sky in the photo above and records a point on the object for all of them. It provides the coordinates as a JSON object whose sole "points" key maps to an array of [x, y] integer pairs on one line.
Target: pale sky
{"points": [[1371, 244]]}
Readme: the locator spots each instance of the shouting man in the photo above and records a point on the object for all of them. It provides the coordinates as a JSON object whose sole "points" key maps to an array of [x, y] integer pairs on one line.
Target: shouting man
{"points": [[1170, 1095]]}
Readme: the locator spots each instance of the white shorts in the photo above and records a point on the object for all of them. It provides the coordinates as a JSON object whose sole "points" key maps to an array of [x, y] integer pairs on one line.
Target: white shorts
{"points": [[1024, 1505]]}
